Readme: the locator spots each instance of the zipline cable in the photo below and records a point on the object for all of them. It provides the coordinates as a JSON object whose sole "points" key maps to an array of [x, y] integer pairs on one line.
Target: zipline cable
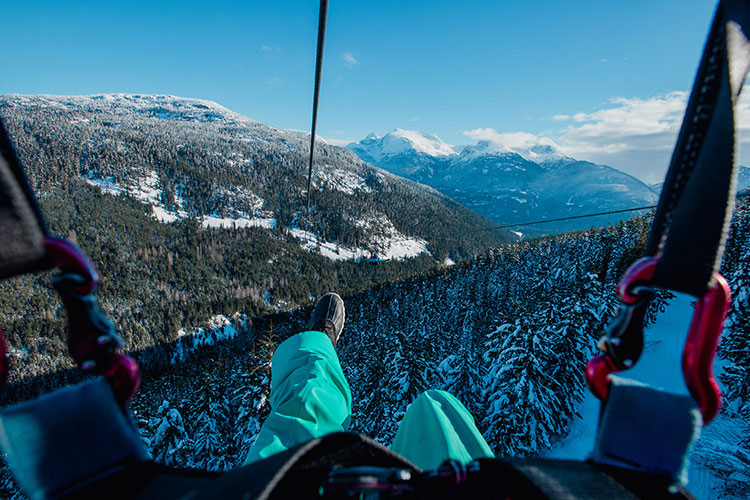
{"points": [[323, 16], [503, 226], [533, 223]]}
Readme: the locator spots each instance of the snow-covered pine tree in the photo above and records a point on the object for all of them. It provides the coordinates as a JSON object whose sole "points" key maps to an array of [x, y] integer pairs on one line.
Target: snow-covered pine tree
{"points": [[170, 443], [521, 397], [249, 399], [735, 346], [461, 372], [209, 418]]}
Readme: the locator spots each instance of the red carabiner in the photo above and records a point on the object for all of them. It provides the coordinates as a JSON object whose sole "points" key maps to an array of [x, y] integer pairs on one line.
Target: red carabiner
{"points": [[68, 257], [700, 347], [623, 339], [92, 340]]}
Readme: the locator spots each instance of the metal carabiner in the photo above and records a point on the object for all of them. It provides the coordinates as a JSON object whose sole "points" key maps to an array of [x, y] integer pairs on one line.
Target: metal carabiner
{"points": [[622, 342], [623, 339], [701, 345]]}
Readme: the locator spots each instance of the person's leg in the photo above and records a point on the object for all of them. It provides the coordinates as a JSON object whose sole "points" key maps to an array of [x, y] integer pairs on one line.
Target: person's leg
{"points": [[437, 427], [310, 396]]}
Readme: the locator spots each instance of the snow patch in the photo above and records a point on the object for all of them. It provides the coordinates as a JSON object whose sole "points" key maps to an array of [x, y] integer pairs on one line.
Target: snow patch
{"points": [[230, 223], [387, 242], [147, 189], [217, 329], [341, 180]]}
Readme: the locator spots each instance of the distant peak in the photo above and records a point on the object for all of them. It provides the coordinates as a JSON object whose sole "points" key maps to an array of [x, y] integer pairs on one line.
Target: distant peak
{"points": [[401, 141]]}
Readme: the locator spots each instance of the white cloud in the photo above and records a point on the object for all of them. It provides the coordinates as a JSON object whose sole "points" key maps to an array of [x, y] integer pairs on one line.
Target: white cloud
{"points": [[349, 59], [632, 134], [530, 146], [638, 135], [508, 141], [414, 119]]}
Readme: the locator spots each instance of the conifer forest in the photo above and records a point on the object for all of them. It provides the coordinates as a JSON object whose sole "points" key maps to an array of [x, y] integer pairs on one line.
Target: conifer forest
{"points": [[508, 333]]}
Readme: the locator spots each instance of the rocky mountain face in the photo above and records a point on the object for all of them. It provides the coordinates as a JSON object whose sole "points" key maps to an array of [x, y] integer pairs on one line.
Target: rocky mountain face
{"points": [[510, 185]]}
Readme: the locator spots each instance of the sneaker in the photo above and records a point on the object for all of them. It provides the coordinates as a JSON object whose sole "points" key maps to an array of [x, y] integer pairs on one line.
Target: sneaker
{"points": [[328, 316]]}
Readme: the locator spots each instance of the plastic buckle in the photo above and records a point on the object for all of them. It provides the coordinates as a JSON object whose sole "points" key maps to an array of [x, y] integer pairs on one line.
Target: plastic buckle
{"points": [[622, 342], [623, 339]]}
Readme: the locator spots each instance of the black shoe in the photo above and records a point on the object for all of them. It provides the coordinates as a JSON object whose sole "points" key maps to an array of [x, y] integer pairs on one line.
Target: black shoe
{"points": [[328, 316]]}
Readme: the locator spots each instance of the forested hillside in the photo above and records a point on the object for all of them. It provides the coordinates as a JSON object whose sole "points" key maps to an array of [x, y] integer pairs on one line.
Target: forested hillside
{"points": [[527, 313], [192, 212], [196, 158], [508, 333]]}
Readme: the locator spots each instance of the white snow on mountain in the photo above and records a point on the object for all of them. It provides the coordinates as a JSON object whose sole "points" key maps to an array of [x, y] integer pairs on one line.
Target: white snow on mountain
{"points": [[147, 189], [401, 141], [165, 107], [531, 147], [511, 178], [339, 179], [387, 242]]}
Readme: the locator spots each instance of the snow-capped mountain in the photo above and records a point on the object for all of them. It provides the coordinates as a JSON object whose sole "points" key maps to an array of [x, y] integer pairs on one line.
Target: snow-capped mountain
{"points": [[511, 183], [402, 152]]}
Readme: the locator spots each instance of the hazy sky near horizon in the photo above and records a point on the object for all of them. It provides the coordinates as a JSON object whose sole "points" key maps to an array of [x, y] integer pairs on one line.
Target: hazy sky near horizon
{"points": [[605, 80]]}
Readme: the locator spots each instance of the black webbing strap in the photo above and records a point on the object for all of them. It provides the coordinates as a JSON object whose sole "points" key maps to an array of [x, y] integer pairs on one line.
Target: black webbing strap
{"points": [[692, 218], [572, 480], [22, 227], [295, 473]]}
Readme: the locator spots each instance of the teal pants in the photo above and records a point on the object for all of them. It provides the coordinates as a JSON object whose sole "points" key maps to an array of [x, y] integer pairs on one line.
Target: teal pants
{"points": [[310, 397]]}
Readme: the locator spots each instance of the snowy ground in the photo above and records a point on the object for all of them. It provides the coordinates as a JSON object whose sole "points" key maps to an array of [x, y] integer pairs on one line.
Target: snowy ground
{"points": [[395, 245], [398, 247], [147, 189], [217, 329], [660, 367]]}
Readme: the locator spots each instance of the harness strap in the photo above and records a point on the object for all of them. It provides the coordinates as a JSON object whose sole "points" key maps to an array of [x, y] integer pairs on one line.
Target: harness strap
{"points": [[692, 218], [21, 223], [573, 480]]}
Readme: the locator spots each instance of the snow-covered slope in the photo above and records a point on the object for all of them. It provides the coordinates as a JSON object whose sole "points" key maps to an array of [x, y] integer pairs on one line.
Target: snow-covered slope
{"points": [[189, 157]]}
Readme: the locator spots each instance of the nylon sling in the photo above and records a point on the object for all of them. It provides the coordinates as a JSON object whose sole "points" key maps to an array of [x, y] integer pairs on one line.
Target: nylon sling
{"points": [[692, 218]]}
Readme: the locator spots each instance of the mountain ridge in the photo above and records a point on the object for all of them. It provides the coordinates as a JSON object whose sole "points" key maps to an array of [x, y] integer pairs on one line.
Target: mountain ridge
{"points": [[161, 148], [512, 183]]}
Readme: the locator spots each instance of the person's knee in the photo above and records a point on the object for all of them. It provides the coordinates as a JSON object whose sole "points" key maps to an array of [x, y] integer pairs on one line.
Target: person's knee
{"points": [[435, 394]]}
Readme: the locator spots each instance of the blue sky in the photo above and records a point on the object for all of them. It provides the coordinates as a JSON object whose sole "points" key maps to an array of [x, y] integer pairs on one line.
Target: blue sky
{"points": [[595, 77]]}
